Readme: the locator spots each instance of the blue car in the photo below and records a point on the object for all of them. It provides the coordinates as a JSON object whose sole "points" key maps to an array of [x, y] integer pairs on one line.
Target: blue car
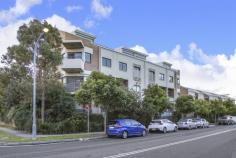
{"points": [[125, 127]]}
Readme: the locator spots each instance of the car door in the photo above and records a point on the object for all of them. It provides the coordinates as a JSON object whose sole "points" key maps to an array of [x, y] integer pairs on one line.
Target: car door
{"points": [[137, 127], [171, 125], [128, 126], [167, 125]]}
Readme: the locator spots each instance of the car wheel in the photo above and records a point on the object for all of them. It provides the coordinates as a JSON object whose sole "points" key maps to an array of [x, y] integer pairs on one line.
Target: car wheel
{"points": [[144, 133], [125, 135], [176, 129], [164, 130]]}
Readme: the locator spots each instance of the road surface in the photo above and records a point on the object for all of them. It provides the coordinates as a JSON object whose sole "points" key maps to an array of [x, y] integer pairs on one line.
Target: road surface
{"points": [[215, 142]]}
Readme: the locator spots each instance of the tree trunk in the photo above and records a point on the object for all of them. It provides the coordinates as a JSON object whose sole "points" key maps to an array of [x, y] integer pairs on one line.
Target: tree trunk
{"points": [[43, 97], [105, 120]]}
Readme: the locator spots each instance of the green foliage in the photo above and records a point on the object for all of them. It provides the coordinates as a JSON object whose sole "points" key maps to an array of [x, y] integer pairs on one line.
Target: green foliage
{"points": [[155, 100], [202, 108], [22, 120], [76, 123], [104, 91], [185, 105]]}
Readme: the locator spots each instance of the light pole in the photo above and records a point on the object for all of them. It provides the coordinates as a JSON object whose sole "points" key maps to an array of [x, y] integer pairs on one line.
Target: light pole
{"points": [[35, 53]]}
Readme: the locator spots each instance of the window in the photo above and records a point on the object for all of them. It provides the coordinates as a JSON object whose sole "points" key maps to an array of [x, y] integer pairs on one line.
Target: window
{"points": [[122, 66], [161, 76], [171, 79], [137, 72], [137, 88], [151, 76], [106, 62], [74, 55], [178, 81], [87, 58]]}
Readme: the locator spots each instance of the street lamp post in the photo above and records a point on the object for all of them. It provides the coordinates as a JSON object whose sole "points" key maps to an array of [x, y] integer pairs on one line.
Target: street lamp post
{"points": [[35, 53]]}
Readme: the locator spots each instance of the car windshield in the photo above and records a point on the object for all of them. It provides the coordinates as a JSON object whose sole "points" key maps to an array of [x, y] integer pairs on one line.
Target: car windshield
{"points": [[195, 120]]}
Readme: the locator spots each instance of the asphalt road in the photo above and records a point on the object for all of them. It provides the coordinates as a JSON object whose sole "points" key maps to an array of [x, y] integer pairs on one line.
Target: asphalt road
{"points": [[215, 142]]}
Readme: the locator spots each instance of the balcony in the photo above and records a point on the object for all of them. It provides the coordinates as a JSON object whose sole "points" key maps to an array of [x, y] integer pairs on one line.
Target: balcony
{"points": [[73, 65], [72, 87]]}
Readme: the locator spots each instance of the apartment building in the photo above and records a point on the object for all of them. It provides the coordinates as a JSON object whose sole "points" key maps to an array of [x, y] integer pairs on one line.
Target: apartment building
{"points": [[81, 56], [203, 95]]}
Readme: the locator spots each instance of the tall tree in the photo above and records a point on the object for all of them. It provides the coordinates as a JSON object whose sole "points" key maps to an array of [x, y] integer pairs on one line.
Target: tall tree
{"points": [[105, 91], [155, 100], [217, 108], [202, 108], [19, 57], [185, 105]]}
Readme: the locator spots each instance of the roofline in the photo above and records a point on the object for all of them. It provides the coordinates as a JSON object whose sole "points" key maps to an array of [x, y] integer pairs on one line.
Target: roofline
{"points": [[104, 47]]}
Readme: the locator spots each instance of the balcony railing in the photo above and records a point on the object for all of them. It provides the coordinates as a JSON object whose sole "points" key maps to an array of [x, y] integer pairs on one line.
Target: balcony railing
{"points": [[72, 87], [72, 65]]}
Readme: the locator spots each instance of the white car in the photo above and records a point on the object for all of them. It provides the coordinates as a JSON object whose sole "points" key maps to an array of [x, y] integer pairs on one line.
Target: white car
{"points": [[186, 124], [163, 125], [201, 123]]}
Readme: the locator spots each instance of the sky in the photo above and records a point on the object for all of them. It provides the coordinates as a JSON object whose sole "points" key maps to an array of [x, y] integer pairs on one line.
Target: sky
{"points": [[196, 36]]}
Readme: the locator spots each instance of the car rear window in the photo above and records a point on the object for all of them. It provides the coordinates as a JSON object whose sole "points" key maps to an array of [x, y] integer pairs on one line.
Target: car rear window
{"points": [[156, 121], [183, 120], [225, 117], [114, 122]]}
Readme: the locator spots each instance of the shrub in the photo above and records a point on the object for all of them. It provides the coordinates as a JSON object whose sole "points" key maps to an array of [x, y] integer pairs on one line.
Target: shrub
{"points": [[22, 120]]}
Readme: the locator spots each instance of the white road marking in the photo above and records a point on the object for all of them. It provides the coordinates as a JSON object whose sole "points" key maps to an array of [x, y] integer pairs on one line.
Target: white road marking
{"points": [[166, 145]]}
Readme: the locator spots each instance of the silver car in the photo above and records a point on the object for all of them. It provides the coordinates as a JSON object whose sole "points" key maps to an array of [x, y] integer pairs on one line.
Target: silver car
{"points": [[227, 120], [186, 124]]}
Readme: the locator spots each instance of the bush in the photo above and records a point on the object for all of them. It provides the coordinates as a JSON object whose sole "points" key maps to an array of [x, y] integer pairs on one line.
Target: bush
{"points": [[23, 120], [76, 123]]}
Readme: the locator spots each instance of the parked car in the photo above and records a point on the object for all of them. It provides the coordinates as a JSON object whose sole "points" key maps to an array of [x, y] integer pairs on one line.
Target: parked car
{"points": [[186, 123], [205, 124], [125, 127], [201, 123], [227, 120], [163, 125]]}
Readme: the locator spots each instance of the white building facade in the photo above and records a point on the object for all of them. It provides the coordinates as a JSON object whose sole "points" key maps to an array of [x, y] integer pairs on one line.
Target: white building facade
{"points": [[81, 56]]}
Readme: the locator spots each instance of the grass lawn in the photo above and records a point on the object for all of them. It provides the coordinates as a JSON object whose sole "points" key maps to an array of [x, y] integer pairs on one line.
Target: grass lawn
{"points": [[5, 137]]}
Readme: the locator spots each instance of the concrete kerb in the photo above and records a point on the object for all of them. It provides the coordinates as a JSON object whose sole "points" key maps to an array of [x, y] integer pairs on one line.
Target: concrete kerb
{"points": [[49, 142]]}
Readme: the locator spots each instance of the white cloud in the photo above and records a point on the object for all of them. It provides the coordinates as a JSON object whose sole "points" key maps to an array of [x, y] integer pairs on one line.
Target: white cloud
{"points": [[89, 23], [8, 33], [140, 49], [61, 23], [100, 10], [216, 73], [21, 7], [72, 8]]}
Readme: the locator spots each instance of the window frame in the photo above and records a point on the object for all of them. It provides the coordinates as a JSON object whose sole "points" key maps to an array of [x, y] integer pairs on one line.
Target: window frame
{"points": [[90, 58], [153, 74], [171, 79], [106, 63], [161, 76], [138, 72], [123, 65]]}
